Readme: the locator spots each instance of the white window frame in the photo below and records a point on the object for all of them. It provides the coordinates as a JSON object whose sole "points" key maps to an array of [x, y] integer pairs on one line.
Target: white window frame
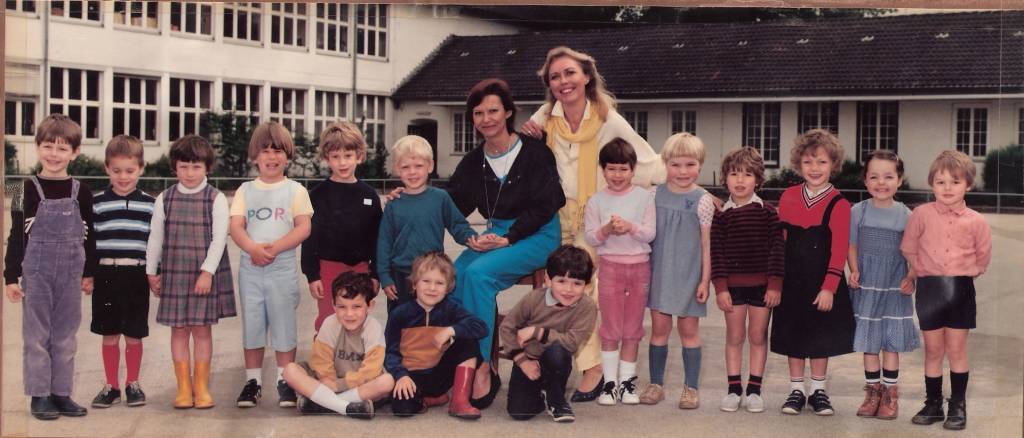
{"points": [[764, 134], [463, 133], [375, 27], [322, 114], [374, 121], [19, 115], [882, 135], [340, 24], [65, 11], [817, 110], [142, 107], [245, 107], [19, 7], [64, 101], [683, 120], [253, 12], [194, 18], [183, 110], [638, 120], [144, 24], [292, 117], [975, 140], [284, 13]]}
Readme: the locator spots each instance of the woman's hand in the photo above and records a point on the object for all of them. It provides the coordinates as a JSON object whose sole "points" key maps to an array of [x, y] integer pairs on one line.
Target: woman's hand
{"points": [[824, 301], [532, 129], [391, 292]]}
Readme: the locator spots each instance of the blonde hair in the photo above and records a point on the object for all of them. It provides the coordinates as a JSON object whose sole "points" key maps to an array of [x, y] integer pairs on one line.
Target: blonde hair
{"points": [[808, 142], [683, 144], [413, 145], [957, 163], [271, 135], [601, 100], [433, 260], [745, 158], [125, 146], [342, 136]]}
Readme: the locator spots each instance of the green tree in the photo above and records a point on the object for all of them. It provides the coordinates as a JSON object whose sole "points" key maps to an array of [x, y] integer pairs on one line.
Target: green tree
{"points": [[1004, 170], [229, 134], [10, 153]]}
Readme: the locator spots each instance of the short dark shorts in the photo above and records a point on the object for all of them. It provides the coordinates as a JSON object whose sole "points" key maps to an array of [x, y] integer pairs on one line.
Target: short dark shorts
{"points": [[945, 302], [749, 295], [120, 301]]}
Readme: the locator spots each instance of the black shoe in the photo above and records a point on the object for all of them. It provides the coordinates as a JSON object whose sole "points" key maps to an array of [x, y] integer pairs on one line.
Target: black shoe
{"points": [[820, 403], [485, 401], [794, 403], [931, 413], [286, 395], [133, 395], [305, 406], [561, 412], [580, 397], [43, 409], [362, 410], [956, 418], [67, 407], [250, 395], [108, 396]]}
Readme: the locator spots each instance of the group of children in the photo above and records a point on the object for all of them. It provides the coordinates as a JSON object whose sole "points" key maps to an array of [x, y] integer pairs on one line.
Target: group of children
{"points": [[661, 249]]}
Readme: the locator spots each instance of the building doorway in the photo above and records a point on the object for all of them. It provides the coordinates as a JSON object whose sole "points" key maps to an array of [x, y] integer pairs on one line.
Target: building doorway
{"points": [[427, 129]]}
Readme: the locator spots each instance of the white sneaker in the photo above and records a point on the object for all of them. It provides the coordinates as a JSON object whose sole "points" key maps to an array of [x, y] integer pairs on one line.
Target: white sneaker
{"points": [[730, 403], [607, 397], [627, 392], [755, 403]]}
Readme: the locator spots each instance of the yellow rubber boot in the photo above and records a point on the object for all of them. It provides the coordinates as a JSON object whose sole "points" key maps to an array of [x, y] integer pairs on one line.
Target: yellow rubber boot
{"points": [[184, 398], [203, 398]]}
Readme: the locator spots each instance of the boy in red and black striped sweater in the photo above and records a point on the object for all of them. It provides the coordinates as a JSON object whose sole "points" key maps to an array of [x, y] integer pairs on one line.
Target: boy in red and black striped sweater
{"points": [[747, 266]]}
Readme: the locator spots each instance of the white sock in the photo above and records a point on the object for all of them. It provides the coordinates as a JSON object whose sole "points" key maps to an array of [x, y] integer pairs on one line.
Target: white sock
{"points": [[797, 384], [254, 373], [280, 374], [817, 383], [627, 370], [328, 399], [610, 365], [351, 396]]}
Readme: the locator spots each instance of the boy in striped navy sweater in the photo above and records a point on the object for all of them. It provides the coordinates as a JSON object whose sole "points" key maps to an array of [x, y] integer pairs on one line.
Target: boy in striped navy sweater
{"points": [[120, 302], [747, 265]]}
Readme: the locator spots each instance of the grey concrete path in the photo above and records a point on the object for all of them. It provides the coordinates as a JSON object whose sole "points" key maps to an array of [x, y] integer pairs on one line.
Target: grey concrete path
{"points": [[995, 394]]}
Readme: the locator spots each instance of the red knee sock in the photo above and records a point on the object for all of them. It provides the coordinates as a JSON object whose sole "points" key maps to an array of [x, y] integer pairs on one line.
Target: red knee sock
{"points": [[111, 363], [132, 360]]}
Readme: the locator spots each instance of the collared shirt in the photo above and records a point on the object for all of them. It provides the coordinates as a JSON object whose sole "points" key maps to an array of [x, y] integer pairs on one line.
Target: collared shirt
{"points": [[947, 241], [754, 198]]}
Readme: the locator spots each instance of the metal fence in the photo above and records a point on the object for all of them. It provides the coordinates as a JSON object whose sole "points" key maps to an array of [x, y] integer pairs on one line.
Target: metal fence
{"points": [[990, 202]]}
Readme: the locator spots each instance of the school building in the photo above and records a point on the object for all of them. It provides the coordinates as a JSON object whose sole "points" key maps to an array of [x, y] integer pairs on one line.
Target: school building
{"points": [[916, 84], [151, 69]]}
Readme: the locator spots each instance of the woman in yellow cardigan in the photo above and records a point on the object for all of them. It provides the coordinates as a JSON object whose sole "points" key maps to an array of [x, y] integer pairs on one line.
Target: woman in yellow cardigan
{"points": [[579, 117]]}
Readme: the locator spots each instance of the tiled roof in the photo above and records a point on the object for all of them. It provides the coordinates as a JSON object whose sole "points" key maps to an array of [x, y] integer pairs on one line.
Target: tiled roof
{"points": [[957, 53]]}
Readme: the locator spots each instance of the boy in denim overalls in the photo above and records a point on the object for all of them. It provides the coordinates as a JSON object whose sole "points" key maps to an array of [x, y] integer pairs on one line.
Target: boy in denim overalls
{"points": [[51, 248]]}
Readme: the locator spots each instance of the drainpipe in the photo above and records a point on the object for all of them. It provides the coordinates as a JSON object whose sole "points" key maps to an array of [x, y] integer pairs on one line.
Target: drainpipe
{"points": [[352, 34], [45, 95]]}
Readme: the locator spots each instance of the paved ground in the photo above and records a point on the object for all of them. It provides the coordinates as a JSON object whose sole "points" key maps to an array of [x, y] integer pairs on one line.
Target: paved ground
{"points": [[995, 394]]}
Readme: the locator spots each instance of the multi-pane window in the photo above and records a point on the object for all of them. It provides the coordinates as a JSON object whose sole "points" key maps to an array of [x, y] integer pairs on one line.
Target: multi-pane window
{"points": [[370, 116], [288, 107], [877, 127], [243, 99], [189, 100], [372, 30], [27, 6], [638, 120], [814, 115], [194, 18], [242, 20], [761, 130], [332, 27], [288, 24], [135, 107], [972, 131], [140, 14], [19, 116], [464, 133], [76, 9], [1020, 126], [684, 121], [328, 107], [76, 93]]}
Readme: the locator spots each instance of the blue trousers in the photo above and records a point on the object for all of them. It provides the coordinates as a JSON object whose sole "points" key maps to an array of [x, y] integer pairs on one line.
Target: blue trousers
{"points": [[480, 276]]}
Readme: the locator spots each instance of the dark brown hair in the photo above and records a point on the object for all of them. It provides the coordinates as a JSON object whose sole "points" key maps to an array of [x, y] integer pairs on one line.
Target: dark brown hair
{"points": [[350, 285], [498, 88], [957, 163], [617, 151], [572, 262], [125, 146], [193, 149], [59, 126], [744, 158], [811, 140], [884, 154]]}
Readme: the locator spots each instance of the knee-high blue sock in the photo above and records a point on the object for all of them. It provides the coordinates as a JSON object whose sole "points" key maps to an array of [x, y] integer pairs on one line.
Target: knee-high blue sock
{"points": [[691, 366], [657, 355]]}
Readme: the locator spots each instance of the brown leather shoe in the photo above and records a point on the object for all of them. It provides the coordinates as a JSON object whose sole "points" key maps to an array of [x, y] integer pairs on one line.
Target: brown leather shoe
{"points": [[889, 407], [872, 397]]}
